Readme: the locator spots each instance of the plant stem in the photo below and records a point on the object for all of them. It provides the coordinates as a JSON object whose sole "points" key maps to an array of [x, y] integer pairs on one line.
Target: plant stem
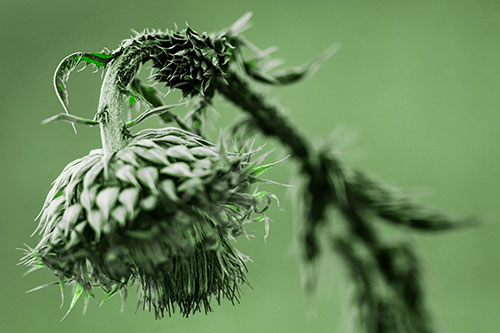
{"points": [[328, 184], [268, 118], [110, 114]]}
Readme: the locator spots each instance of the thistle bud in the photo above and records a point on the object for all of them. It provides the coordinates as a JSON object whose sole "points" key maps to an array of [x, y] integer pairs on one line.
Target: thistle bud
{"points": [[160, 213]]}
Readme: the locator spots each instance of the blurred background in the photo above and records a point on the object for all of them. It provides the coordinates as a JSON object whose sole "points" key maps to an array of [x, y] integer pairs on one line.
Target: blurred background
{"points": [[416, 81]]}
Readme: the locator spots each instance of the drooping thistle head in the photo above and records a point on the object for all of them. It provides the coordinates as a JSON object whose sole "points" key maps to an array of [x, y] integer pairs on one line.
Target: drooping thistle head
{"points": [[161, 212], [161, 207]]}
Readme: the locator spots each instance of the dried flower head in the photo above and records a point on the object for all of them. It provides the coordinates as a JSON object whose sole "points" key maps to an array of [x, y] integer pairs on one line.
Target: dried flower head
{"points": [[162, 212]]}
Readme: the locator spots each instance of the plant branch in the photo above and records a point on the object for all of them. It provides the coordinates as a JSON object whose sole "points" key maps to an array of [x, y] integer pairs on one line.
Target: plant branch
{"points": [[364, 191], [330, 184]]}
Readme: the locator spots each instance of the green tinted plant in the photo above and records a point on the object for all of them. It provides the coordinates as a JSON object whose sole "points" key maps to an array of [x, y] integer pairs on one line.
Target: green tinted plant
{"points": [[160, 207]]}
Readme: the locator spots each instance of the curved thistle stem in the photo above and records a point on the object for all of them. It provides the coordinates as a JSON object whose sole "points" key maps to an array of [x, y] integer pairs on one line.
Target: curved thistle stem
{"points": [[328, 176], [267, 117], [110, 114], [357, 196]]}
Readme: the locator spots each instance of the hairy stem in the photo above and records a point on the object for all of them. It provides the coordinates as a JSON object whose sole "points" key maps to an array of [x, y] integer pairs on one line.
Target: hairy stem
{"points": [[329, 184], [110, 114], [267, 117]]}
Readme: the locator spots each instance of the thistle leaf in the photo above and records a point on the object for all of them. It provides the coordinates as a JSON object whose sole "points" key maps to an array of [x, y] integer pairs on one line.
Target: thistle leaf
{"points": [[148, 93], [396, 207], [261, 169], [67, 65], [242, 24], [97, 59], [61, 75], [71, 119], [292, 74], [152, 112]]}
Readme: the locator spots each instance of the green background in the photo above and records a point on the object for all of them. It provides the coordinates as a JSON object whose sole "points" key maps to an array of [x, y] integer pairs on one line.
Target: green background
{"points": [[416, 81]]}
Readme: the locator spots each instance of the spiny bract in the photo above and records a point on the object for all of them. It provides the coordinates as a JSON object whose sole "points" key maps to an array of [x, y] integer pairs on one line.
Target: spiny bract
{"points": [[184, 59], [162, 212]]}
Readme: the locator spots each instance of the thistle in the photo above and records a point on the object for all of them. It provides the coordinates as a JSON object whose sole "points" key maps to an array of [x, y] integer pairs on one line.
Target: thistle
{"points": [[161, 207], [161, 211]]}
